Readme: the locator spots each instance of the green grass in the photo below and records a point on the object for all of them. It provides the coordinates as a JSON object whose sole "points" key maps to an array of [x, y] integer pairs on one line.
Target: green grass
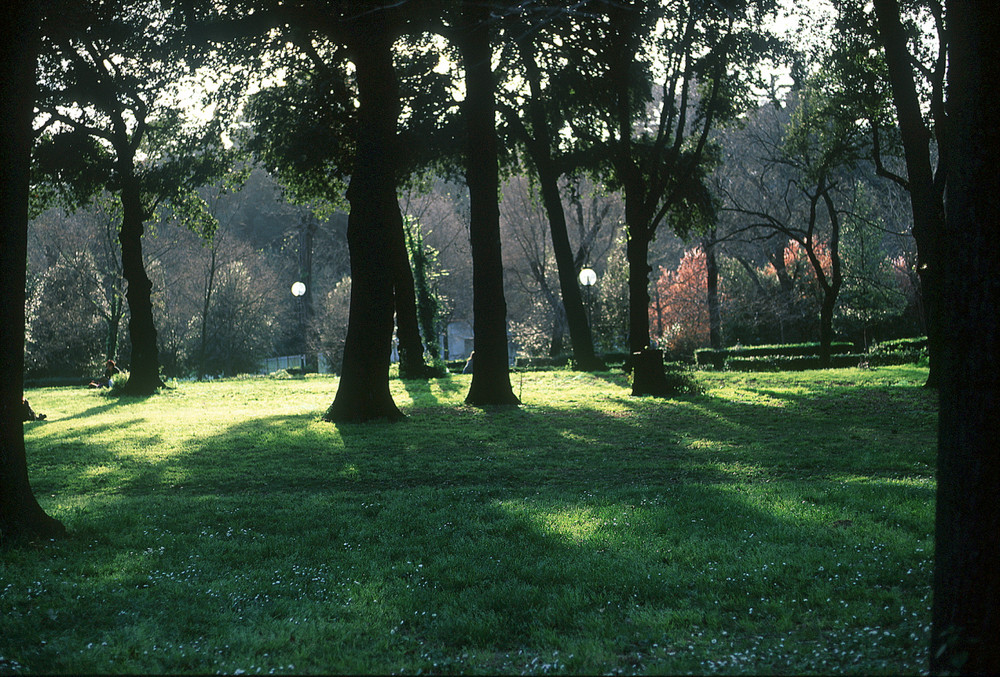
{"points": [[778, 523]]}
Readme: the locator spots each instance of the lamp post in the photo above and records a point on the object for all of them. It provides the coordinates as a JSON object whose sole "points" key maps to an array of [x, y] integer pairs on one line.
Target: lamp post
{"points": [[588, 278], [298, 291]]}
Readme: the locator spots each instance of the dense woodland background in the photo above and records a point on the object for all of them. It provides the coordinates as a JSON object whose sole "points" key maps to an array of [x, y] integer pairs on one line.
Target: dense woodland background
{"points": [[221, 292]]}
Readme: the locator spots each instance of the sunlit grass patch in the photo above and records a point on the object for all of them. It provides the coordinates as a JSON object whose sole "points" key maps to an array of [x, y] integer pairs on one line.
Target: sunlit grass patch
{"points": [[771, 524]]}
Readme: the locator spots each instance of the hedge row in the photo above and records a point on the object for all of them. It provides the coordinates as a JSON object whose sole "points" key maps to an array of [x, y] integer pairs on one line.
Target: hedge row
{"points": [[781, 357], [802, 356], [791, 363], [706, 357], [905, 345]]}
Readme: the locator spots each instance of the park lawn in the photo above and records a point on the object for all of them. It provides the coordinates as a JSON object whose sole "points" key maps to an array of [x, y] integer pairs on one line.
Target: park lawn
{"points": [[777, 523]]}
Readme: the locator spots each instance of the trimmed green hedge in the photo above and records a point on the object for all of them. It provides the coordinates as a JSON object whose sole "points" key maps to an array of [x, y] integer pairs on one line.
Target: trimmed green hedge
{"points": [[791, 363], [898, 351], [903, 345], [802, 356], [706, 357]]}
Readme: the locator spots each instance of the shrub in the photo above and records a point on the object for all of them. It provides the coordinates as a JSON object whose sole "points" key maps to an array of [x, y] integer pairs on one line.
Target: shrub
{"points": [[900, 345], [678, 311], [118, 383], [898, 351], [682, 382], [791, 363], [718, 358]]}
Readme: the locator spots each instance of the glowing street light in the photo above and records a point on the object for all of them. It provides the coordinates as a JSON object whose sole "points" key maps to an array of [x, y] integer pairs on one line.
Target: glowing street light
{"points": [[588, 278], [298, 291]]}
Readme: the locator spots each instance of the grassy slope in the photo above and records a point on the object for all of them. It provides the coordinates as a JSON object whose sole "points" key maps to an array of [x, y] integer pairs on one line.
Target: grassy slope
{"points": [[778, 523]]}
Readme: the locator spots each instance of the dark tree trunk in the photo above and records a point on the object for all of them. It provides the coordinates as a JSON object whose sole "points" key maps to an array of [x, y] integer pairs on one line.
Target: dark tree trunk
{"points": [[20, 515], [206, 306], [411, 349], [580, 336], [648, 375], [637, 254], [712, 283], [926, 200], [425, 302], [491, 374], [540, 149], [114, 327], [826, 330], [144, 367], [966, 607], [363, 393], [831, 287]]}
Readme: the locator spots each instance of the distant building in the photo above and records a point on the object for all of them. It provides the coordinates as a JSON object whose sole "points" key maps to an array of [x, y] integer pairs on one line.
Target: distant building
{"points": [[461, 340]]}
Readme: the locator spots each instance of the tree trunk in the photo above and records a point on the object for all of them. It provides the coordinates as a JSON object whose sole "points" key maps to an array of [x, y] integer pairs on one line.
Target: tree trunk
{"points": [[648, 376], [831, 288], [363, 393], [206, 306], [20, 515], [491, 374], [714, 310], [426, 303], [826, 329], [411, 349], [144, 369], [966, 606], [580, 335], [114, 326], [926, 201], [637, 254], [540, 149]]}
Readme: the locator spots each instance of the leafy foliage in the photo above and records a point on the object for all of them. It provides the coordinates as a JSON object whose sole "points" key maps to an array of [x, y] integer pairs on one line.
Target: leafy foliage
{"points": [[109, 107], [678, 313], [241, 323], [331, 322], [427, 273], [65, 334], [872, 294], [610, 313]]}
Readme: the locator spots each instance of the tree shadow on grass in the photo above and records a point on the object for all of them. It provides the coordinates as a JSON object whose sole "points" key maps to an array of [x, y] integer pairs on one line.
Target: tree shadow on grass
{"points": [[503, 576], [497, 534], [650, 441], [87, 413], [421, 392]]}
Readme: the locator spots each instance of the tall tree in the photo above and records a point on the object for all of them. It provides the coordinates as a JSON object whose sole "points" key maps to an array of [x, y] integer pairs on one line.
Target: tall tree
{"points": [[373, 226], [536, 124], [965, 617], [20, 515], [796, 188], [656, 136], [112, 120], [911, 68], [490, 374], [318, 95]]}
